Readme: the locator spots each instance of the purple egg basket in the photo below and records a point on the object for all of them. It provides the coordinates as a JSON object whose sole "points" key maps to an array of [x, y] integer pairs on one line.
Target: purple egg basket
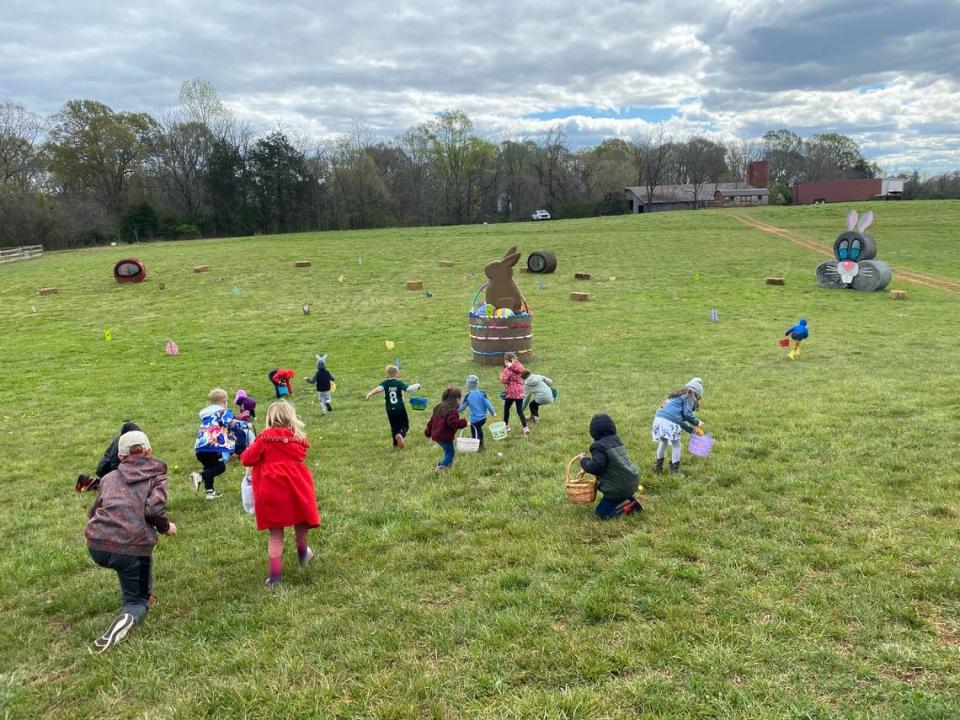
{"points": [[700, 445]]}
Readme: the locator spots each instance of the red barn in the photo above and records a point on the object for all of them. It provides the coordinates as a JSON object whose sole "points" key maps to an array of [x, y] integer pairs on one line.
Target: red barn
{"points": [[831, 191]]}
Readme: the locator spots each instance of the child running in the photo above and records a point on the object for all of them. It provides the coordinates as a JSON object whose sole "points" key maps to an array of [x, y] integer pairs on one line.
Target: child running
{"points": [[130, 509], [617, 476], [797, 333], [538, 391], [220, 436], [324, 380], [676, 414], [479, 404], [444, 423], [283, 492], [512, 379], [393, 388], [246, 405]]}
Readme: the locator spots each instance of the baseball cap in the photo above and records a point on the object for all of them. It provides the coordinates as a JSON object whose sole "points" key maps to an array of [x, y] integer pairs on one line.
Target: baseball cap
{"points": [[132, 439]]}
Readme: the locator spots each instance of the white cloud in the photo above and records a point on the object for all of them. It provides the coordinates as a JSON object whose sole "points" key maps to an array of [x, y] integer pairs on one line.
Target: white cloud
{"points": [[733, 68]]}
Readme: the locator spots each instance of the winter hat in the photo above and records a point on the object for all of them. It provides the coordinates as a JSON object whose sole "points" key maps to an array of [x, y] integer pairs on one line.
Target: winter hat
{"points": [[602, 425], [696, 384], [131, 440], [321, 361], [472, 382], [803, 321], [241, 394]]}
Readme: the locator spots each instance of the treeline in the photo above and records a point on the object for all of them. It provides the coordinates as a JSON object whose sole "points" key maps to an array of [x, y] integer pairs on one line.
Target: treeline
{"points": [[90, 175]]}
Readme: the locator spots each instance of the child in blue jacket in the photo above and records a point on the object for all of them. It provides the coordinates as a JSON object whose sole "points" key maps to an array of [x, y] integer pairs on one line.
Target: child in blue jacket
{"points": [[676, 414], [797, 333], [479, 404]]}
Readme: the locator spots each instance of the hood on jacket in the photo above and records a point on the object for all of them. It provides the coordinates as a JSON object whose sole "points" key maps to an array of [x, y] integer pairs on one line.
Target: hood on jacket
{"points": [[602, 425], [129, 426], [210, 410], [139, 468], [803, 321]]}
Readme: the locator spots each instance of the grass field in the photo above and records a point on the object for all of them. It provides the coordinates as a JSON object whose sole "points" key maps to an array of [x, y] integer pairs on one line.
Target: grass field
{"points": [[807, 569]]}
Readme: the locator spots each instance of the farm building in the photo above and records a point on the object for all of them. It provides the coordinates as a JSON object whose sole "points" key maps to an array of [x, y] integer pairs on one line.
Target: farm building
{"points": [[681, 197], [831, 191]]}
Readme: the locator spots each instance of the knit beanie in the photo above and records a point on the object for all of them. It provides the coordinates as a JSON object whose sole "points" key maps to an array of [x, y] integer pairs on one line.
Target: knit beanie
{"points": [[472, 382], [696, 384], [241, 393]]}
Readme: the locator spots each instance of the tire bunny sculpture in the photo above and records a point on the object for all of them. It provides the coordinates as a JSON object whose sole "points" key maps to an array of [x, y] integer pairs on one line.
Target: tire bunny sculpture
{"points": [[502, 291], [854, 266]]}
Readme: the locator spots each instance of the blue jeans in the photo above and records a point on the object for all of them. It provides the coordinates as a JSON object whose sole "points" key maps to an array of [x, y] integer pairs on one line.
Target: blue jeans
{"points": [[447, 454], [609, 507]]}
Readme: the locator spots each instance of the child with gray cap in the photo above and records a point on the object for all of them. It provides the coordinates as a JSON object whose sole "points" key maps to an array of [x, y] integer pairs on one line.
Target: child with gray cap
{"points": [[129, 512], [479, 404], [676, 414]]}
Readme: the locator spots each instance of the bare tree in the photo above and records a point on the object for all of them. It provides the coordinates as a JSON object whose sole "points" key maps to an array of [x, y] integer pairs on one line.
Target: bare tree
{"points": [[19, 131], [653, 152]]}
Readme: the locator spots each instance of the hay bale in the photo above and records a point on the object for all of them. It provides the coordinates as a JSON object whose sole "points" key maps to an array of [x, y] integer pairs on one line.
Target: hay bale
{"points": [[446, 263], [580, 296], [776, 281], [49, 291], [581, 275], [201, 268], [898, 294], [414, 284], [302, 263]]}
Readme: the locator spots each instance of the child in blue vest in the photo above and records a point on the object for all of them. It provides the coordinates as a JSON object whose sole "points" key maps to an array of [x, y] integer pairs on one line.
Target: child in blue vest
{"points": [[676, 414], [797, 333], [480, 406]]}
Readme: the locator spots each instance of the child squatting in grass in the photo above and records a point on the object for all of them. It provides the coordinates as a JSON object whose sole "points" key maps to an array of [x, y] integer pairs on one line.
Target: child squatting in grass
{"points": [[283, 492], [617, 477], [393, 388], [130, 509], [676, 414]]}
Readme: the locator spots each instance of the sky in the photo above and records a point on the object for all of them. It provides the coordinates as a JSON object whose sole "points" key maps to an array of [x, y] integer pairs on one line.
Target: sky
{"points": [[885, 73]]}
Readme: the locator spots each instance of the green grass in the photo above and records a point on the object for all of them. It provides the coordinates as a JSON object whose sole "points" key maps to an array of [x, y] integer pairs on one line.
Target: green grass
{"points": [[807, 569]]}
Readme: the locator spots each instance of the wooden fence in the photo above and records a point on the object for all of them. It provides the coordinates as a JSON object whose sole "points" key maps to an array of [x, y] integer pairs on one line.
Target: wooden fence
{"points": [[9, 255]]}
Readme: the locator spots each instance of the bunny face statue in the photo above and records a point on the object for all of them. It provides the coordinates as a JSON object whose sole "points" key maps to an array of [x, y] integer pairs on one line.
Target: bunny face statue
{"points": [[502, 291], [854, 266]]}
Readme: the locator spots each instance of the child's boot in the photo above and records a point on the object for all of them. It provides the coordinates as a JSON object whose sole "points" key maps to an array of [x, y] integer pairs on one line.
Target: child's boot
{"points": [[675, 468], [658, 466]]}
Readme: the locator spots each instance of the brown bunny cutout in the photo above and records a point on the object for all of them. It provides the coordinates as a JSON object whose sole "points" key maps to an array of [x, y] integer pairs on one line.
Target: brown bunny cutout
{"points": [[502, 291]]}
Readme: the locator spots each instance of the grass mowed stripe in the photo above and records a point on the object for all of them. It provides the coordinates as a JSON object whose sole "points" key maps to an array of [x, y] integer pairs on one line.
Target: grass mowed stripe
{"points": [[806, 569]]}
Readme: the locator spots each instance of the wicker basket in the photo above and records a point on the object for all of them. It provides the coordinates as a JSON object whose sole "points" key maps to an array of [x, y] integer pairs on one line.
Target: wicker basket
{"points": [[467, 444], [581, 488]]}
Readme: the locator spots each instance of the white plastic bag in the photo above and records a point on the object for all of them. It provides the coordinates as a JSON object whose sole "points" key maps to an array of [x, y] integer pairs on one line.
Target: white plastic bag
{"points": [[246, 492]]}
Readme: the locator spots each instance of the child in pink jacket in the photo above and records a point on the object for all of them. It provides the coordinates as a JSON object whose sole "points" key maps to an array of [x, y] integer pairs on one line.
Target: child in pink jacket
{"points": [[512, 380]]}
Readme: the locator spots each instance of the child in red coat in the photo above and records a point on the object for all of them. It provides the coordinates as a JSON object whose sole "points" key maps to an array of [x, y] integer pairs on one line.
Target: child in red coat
{"points": [[512, 379], [444, 423], [283, 493]]}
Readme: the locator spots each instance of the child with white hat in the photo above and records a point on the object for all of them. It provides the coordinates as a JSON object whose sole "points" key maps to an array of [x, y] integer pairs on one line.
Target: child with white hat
{"points": [[676, 414]]}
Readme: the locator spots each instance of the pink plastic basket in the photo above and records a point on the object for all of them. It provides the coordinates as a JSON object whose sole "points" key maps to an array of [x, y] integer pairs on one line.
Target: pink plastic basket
{"points": [[700, 445]]}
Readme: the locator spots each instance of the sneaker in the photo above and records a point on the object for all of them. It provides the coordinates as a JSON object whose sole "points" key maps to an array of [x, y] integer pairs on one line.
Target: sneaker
{"points": [[115, 633], [213, 495], [306, 558], [196, 480], [273, 581], [526, 430], [632, 505], [535, 418], [398, 439], [507, 428]]}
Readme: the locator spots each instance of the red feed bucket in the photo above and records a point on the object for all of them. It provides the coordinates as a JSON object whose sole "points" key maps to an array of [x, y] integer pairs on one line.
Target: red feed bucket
{"points": [[784, 342], [700, 445]]}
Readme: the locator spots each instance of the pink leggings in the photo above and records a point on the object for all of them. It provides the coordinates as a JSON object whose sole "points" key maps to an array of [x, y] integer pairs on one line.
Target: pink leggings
{"points": [[275, 547]]}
